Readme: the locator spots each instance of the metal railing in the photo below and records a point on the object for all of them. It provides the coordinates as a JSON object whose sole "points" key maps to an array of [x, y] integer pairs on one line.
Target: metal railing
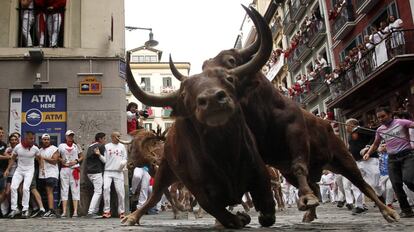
{"points": [[396, 43], [346, 15], [313, 86], [316, 28], [40, 28], [296, 4]]}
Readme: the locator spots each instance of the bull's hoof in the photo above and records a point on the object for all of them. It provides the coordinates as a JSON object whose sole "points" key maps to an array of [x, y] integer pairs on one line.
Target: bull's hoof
{"points": [[307, 201], [267, 220], [130, 220], [390, 215], [309, 216], [244, 217]]}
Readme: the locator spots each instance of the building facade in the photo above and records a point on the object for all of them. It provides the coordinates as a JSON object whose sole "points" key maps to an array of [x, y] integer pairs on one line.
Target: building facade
{"points": [[374, 58], [63, 69], [154, 77]]}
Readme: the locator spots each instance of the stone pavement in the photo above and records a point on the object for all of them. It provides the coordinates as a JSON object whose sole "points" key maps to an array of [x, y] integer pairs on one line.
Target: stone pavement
{"points": [[331, 218]]}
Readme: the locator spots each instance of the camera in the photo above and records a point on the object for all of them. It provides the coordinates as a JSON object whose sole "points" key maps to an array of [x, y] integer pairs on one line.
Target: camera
{"points": [[143, 113]]}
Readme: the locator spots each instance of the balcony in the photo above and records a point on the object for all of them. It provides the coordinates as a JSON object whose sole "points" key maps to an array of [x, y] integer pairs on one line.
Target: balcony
{"points": [[166, 112], [381, 69], [167, 89], [293, 63], [288, 24], [364, 6], [34, 30], [276, 28], [275, 68], [298, 9], [316, 33], [149, 89], [302, 51], [306, 2], [344, 23], [313, 88]]}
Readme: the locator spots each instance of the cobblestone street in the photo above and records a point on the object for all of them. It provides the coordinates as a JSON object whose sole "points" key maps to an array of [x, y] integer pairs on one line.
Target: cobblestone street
{"points": [[330, 219]]}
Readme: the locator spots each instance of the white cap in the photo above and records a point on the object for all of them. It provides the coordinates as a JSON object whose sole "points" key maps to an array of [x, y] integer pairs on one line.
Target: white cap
{"points": [[69, 132], [45, 136]]}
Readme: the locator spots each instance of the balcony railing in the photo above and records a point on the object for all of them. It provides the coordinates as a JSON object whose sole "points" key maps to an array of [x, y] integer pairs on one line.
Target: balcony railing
{"points": [[313, 87], [149, 89], [167, 89], [302, 51], [364, 6], [317, 32], [40, 28], [293, 62], [288, 24], [395, 44], [276, 28], [298, 9], [344, 23]]}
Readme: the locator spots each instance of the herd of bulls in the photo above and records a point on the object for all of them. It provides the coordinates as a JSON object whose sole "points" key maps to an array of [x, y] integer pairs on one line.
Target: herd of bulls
{"points": [[230, 122]]}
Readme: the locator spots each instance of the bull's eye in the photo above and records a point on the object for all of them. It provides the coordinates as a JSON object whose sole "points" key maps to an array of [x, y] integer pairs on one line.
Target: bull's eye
{"points": [[230, 79], [231, 62]]}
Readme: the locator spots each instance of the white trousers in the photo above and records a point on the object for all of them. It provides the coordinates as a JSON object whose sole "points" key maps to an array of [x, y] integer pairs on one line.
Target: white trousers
{"points": [[19, 177], [66, 181], [141, 178], [97, 182], [344, 189], [53, 28], [27, 23], [118, 179], [325, 192], [370, 172], [386, 189]]}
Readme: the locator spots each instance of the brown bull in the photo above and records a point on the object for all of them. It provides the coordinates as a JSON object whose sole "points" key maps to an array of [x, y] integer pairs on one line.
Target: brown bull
{"points": [[290, 139], [210, 148]]}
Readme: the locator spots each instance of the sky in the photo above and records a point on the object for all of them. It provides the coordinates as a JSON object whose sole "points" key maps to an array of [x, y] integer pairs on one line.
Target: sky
{"points": [[191, 30]]}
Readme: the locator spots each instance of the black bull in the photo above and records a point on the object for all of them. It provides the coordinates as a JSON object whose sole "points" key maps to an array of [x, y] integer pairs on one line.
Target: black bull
{"points": [[210, 147]]}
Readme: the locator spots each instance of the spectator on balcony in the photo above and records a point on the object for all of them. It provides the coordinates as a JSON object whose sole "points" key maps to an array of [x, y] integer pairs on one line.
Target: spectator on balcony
{"points": [[40, 9], [322, 62], [377, 38], [397, 37], [55, 9], [27, 15]]}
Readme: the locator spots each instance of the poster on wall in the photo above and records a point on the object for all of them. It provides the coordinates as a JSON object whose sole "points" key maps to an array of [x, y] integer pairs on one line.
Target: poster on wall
{"points": [[39, 111]]}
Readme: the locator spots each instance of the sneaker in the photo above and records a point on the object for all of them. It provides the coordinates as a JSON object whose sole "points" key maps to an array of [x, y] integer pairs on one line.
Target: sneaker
{"points": [[75, 215], [93, 216], [340, 204], [37, 213], [63, 215], [407, 213], [25, 214], [46, 215], [106, 215], [349, 206], [357, 210], [122, 215], [14, 213]]}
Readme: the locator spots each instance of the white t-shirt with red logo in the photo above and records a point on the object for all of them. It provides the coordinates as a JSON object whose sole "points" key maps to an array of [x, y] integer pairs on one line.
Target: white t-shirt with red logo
{"points": [[25, 157], [115, 155], [69, 153], [51, 170]]}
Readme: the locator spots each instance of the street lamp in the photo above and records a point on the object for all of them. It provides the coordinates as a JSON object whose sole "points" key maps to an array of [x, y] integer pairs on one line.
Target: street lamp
{"points": [[151, 42]]}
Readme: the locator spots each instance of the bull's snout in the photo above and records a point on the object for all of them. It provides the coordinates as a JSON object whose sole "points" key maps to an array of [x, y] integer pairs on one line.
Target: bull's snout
{"points": [[214, 97]]}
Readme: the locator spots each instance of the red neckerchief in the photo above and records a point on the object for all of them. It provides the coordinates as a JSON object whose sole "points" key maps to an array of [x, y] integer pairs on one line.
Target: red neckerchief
{"points": [[69, 143], [26, 146]]}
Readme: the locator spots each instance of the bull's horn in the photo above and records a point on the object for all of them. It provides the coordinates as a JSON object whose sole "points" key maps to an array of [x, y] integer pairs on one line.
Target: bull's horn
{"points": [[265, 36], [146, 98], [249, 51], [175, 71]]}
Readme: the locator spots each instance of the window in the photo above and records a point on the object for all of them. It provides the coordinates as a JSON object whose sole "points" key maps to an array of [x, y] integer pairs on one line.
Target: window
{"points": [[148, 126], [146, 82], [391, 9], [166, 82], [33, 26], [167, 125]]}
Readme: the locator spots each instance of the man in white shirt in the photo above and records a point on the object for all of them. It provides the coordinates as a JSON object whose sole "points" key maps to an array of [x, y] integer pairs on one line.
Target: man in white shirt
{"points": [[25, 152], [49, 178], [115, 159], [71, 156]]}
